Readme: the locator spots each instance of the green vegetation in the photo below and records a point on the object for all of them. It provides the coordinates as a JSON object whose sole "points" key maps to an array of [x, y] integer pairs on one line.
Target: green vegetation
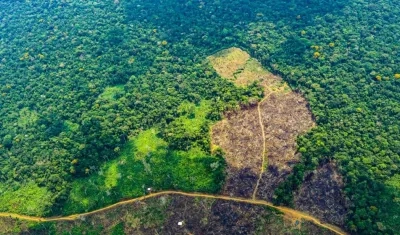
{"points": [[190, 128], [160, 215], [112, 93], [77, 91], [118, 229], [80, 81], [29, 199], [146, 162]]}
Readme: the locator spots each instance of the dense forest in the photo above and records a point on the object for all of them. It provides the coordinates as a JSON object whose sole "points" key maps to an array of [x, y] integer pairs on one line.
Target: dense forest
{"points": [[84, 85]]}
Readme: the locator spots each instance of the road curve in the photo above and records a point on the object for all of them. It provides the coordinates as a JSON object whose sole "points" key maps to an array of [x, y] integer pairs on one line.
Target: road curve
{"points": [[287, 211]]}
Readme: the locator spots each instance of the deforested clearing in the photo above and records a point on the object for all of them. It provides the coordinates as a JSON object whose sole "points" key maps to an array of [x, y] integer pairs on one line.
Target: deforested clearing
{"points": [[282, 115]]}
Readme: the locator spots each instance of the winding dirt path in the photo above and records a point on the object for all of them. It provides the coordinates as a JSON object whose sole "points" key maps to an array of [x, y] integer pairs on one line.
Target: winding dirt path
{"points": [[287, 211], [264, 161]]}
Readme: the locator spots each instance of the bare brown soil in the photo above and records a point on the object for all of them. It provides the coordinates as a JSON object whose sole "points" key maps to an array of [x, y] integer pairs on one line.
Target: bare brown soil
{"points": [[260, 142], [323, 187], [283, 115], [239, 135]]}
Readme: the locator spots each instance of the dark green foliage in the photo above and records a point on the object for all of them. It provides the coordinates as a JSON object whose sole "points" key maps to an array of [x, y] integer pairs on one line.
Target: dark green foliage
{"points": [[146, 162], [7, 141], [58, 77], [118, 229], [58, 58], [354, 110], [43, 228]]}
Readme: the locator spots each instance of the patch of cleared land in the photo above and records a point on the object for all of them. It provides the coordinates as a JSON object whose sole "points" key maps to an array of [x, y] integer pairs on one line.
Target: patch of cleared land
{"points": [[258, 163], [323, 187], [110, 93], [240, 137], [284, 116]]}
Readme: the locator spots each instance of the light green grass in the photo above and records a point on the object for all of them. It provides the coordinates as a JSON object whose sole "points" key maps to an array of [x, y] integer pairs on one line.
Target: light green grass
{"points": [[193, 123], [27, 118], [146, 143], [146, 161], [29, 199], [112, 175], [110, 92], [191, 128]]}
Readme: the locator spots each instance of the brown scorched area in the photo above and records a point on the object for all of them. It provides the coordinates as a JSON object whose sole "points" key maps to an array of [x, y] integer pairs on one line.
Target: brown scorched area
{"points": [[323, 187], [259, 140], [283, 115], [176, 214]]}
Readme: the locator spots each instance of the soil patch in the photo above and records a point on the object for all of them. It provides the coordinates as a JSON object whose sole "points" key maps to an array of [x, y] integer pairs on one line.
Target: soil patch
{"points": [[239, 135], [284, 115], [255, 169], [323, 187]]}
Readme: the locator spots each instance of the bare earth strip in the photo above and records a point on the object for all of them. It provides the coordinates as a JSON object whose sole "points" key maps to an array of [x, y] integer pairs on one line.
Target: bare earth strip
{"points": [[264, 148]]}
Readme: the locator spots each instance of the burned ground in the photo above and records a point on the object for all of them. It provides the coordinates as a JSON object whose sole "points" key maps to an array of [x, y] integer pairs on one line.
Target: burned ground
{"points": [[284, 115], [240, 137], [240, 182], [176, 214], [323, 187]]}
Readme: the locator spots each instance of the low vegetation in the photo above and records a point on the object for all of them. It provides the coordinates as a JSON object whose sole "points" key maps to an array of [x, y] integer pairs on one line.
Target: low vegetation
{"points": [[147, 164]]}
